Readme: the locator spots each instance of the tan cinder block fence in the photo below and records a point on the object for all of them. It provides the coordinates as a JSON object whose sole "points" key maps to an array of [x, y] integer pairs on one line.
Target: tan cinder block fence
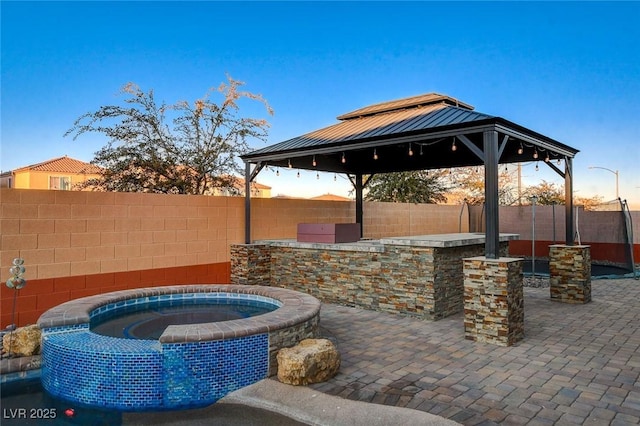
{"points": [[603, 231], [78, 244]]}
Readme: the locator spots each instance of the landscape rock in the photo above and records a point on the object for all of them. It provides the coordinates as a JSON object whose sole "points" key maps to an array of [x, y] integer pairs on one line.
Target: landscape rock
{"points": [[24, 341], [311, 361]]}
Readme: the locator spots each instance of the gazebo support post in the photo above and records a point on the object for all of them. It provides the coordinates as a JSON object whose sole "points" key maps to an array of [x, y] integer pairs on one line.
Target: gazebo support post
{"points": [[568, 201], [359, 203], [247, 203], [492, 236]]}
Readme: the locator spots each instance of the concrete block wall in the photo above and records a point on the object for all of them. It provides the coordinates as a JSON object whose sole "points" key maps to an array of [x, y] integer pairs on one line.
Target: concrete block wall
{"points": [[79, 244], [69, 233], [602, 230]]}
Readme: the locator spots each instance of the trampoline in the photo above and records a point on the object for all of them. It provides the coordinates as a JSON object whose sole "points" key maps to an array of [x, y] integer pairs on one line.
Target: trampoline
{"points": [[598, 271]]}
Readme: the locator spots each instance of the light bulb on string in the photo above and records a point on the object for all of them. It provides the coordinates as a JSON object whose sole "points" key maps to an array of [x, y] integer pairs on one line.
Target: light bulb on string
{"points": [[537, 168], [521, 149], [375, 154], [421, 152], [317, 175], [289, 163], [314, 161], [453, 146], [535, 153], [546, 159], [277, 172], [558, 161], [343, 159], [335, 177], [298, 175], [410, 151]]}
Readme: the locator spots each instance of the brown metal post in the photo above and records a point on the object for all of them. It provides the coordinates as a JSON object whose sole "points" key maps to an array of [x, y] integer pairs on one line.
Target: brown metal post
{"points": [[568, 201], [247, 203], [492, 233], [359, 202]]}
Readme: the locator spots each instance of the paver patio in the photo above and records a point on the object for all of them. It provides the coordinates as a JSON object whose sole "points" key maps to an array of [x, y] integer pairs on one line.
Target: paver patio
{"points": [[578, 364]]}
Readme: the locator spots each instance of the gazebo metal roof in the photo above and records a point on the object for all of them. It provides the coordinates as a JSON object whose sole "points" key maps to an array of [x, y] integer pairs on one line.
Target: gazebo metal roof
{"points": [[430, 131]]}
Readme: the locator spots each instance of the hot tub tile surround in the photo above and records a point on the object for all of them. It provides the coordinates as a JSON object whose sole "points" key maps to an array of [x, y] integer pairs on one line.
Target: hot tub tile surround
{"points": [[199, 363]]}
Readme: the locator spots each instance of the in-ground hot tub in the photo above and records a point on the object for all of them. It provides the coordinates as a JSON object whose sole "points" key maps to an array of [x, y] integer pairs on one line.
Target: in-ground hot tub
{"points": [[190, 365]]}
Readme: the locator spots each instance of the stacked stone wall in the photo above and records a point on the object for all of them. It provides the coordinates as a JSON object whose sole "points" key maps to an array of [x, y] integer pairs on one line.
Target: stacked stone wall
{"points": [[424, 282], [288, 337], [250, 264], [570, 273], [493, 300]]}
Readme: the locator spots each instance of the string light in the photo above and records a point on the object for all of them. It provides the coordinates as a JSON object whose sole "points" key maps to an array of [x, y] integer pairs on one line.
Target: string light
{"points": [[335, 177], [421, 153], [298, 175], [537, 168], [343, 160], [558, 161], [289, 161], [317, 175], [521, 149], [410, 151], [314, 161], [546, 159], [277, 172], [535, 153], [453, 146], [375, 154]]}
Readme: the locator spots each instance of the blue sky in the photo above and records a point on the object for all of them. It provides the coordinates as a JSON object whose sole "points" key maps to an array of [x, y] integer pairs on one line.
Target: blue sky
{"points": [[570, 71]]}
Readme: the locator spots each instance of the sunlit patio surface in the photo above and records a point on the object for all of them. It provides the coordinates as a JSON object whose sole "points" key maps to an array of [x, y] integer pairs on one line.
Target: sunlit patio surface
{"points": [[578, 364]]}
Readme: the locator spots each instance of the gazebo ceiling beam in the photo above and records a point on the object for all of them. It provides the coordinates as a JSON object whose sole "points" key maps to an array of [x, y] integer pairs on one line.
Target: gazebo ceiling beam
{"points": [[472, 147], [557, 170], [533, 141]]}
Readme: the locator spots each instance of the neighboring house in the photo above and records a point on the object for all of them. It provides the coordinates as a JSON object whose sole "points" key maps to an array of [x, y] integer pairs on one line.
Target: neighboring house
{"points": [[61, 173], [258, 190], [330, 197]]}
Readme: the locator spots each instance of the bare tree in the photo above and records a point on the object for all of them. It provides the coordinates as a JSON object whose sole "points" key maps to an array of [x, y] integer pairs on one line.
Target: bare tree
{"points": [[183, 148]]}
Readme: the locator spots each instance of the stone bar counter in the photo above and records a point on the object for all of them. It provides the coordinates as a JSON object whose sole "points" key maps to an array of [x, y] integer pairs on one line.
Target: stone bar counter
{"points": [[420, 276]]}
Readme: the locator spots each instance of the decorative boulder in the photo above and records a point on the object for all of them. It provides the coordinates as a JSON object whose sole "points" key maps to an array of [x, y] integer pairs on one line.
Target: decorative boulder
{"points": [[24, 341], [311, 361]]}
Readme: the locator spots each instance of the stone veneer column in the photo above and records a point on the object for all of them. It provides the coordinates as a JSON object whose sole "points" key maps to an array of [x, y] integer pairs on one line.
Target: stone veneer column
{"points": [[493, 300], [251, 264], [570, 273]]}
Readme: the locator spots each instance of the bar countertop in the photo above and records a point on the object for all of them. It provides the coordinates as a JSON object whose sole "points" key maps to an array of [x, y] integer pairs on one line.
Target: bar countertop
{"points": [[435, 240]]}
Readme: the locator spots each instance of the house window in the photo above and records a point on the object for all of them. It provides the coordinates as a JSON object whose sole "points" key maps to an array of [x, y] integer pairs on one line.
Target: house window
{"points": [[60, 182]]}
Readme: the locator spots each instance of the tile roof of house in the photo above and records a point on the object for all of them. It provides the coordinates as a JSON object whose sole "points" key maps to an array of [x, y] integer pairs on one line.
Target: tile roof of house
{"points": [[330, 197], [62, 165]]}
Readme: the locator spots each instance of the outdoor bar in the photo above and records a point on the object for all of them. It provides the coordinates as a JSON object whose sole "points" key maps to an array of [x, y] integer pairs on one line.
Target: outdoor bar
{"points": [[420, 276]]}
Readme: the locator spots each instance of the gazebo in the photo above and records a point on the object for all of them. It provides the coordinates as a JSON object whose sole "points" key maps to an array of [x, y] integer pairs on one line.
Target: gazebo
{"points": [[424, 132]]}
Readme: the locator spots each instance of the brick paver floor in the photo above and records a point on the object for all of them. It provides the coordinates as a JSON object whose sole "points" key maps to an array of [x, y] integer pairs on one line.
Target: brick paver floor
{"points": [[578, 364]]}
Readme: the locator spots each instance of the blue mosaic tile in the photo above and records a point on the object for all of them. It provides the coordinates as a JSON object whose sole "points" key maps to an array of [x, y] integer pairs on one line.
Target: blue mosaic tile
{"points": [[66, 328], [198, 374], [133, 375]]}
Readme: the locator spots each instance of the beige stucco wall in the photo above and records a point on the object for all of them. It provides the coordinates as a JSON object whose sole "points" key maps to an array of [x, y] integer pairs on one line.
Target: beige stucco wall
{"points": [[30, 179], [70, 233]]}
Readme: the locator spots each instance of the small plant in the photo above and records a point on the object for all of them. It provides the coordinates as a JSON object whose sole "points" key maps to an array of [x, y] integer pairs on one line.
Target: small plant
{"points": [[16, 281]]}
